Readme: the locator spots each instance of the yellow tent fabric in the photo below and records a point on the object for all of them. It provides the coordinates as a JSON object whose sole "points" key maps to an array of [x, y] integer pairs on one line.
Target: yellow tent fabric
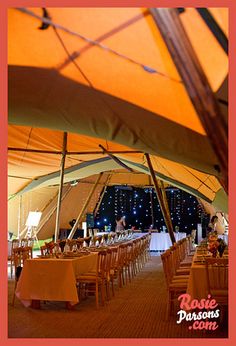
{"points": [[105, 76]]}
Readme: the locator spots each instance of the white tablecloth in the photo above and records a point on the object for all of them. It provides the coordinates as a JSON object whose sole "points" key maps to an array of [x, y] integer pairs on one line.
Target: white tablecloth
{"points": [[162, 242], [53, 279]]}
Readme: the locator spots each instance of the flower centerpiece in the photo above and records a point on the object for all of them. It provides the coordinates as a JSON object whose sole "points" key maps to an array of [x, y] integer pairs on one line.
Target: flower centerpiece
{"points": [[213, 248], [215, 244]]}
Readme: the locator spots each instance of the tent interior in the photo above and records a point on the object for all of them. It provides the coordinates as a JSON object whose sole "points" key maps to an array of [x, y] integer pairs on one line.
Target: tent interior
{"points": [[99, 105]]}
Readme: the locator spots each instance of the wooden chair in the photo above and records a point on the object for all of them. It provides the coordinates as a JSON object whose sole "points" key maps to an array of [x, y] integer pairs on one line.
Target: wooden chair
{"points": [[20, 255], [191, 249], [113, 267], [217, 282], [72, 244], [217, 279], [185, 260], [176, 284], [107, 269], [93, 282], [193, 236], [31, 245], [127, 248], [14, 244], [175, 253], [122, 253], [47, 248], [97, 238], [79, 243], [24, 242]]}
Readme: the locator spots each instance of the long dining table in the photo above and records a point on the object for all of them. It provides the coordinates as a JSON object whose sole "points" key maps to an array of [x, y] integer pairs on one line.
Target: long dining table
{"points": [[197, 283], [53, 279]]}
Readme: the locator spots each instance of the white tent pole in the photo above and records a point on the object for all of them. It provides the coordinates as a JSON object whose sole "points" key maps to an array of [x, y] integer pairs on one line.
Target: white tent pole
{"points": [[19, 217], [102, 195], [52, 210], [72, 232], [57, 226]]}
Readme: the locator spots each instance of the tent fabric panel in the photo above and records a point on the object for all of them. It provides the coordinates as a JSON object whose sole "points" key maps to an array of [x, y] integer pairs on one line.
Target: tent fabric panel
{"points": [[71, 173], [211, 56], [70, 208], [220, 201], [126, 126], [180, 173], [144, 87], [31, 201], [173, 173], [221, 15], [16, 183]]}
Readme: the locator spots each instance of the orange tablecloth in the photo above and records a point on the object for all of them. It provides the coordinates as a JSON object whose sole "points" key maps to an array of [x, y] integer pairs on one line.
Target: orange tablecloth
{"points": [[197, 284], [53, 279]]}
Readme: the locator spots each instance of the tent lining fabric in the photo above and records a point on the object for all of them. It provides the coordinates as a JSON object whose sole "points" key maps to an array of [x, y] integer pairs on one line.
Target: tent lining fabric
{"points": [[44, 179], [95, 43], [141, 111], [186, 143]]}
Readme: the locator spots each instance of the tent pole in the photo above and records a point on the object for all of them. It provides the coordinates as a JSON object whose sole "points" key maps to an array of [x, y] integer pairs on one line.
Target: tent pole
{"points": [[57, 226], [102, 195], [72, 232], [196, 84], [163, 191], [161, 201], [27, 150], [150, 192]]}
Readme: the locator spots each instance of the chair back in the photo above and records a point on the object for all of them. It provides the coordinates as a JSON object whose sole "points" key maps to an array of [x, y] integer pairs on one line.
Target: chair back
{"points": [[217, 276], [114, 257], [31, 242], [14, 244], [108, 264], [101, 266], [193, 235], [166, 259], [20, 254], [24, 242], [72, 244], [80, 242]]}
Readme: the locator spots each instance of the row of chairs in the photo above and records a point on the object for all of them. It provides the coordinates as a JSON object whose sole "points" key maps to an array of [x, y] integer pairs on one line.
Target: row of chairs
{"points": [[116, 264], [177, 261], [176, 264]]}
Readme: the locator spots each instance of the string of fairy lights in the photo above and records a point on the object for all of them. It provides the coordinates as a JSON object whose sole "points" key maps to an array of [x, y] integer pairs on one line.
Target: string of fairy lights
{"points": [[142, 210]]}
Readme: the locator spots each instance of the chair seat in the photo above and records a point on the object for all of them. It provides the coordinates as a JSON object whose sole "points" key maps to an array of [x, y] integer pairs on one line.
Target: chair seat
{"points": [[183, 271], [186, 264], [87, 277], [177, 285], [180, 277]]}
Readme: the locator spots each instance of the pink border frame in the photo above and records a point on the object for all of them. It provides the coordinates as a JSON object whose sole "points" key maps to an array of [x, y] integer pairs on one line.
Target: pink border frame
{"points": [[3, 171]]}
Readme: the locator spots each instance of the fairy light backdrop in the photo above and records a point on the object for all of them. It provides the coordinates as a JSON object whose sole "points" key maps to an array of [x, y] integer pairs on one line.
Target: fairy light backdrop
{"points": [[141, 208]]}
